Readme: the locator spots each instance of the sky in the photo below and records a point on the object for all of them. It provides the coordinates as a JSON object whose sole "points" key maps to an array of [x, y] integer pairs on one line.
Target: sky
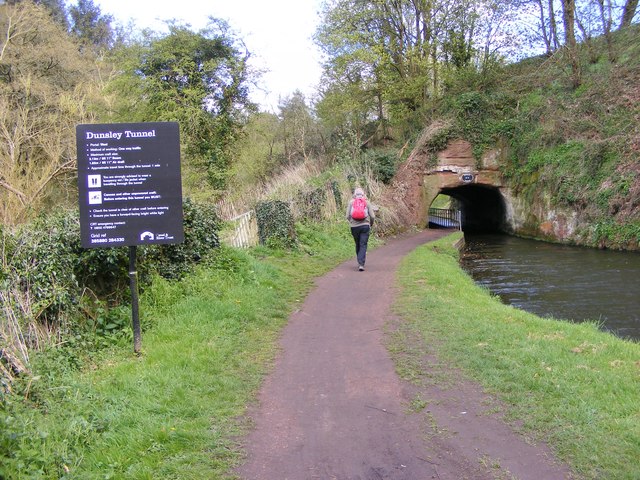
{"points": [[278, 33]]}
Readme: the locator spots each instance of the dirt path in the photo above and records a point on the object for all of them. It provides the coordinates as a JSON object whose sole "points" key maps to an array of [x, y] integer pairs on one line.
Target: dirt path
{"points": [[334, 408]]}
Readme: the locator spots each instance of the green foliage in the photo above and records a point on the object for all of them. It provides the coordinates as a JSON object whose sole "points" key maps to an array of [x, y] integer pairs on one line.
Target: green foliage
{"points": [[440, 140], [470, 104], [383, 164], [472, 79], [310, 203], [276, 226], [91, 27], [458, 49], [609, 233], [346, 145], [201, 226], [48, 279], [437, 142], [572, 173], [199, 79], [260, 151], [325, 239], [40, 259], [392, 62], [104, 271], [46, 87], [298, 130], [481, 118]]}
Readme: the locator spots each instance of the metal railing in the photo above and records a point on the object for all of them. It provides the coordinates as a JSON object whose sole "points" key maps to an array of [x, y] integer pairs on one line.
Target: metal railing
{"points": [[445, 217]]}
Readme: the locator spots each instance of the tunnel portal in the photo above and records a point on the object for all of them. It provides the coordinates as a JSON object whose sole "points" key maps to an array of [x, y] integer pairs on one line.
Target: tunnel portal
{"points": [[482, 207]]}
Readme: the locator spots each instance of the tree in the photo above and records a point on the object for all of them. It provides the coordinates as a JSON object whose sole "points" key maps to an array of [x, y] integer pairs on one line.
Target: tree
{"points": [[553, 26], [595, 18], [377, 52], [568, 17], [90, 26], [45, 84], [459, 39], [260, 151], [629, 12], [386, 60], [300, 133], [545, 29], [56, 8], [199, 79]]}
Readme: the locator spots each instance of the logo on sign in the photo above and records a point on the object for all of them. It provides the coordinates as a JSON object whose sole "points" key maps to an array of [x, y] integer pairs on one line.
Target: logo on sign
{"points": [[467, 177], [147, 236]]}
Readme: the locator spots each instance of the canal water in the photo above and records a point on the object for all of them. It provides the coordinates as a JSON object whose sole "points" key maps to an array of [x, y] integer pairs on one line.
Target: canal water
{"points": [[559, 281]]}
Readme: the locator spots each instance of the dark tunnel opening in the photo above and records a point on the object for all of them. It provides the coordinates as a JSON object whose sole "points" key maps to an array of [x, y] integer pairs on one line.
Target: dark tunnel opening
{"points": [[482, 207]]}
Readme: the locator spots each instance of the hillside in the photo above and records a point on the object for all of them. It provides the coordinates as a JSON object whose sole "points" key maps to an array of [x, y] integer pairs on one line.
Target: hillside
{"points": [[583, 145], [567, 154]]}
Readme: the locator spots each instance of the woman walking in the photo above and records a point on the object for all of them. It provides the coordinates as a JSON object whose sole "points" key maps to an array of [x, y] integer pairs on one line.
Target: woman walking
{"points": [[361, 217]]}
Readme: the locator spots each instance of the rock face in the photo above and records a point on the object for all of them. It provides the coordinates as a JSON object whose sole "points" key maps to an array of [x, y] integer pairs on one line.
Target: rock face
{"points": [[478, 186]]}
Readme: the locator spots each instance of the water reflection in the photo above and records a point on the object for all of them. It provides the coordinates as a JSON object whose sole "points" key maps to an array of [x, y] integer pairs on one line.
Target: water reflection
{"points": [[559, 281]]}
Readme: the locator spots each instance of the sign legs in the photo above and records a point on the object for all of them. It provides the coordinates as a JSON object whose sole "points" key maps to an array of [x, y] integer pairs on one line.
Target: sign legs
{"points": [[135, 317]]}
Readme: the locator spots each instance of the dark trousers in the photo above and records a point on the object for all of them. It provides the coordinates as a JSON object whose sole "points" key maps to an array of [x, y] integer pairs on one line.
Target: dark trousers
{"points": [[361, 237]]}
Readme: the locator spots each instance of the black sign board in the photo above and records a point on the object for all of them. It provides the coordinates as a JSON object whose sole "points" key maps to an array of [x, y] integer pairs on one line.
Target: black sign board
{"points": [[129, 184]]}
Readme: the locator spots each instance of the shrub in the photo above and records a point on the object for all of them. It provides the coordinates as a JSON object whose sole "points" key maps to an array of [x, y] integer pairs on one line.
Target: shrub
{"points": [[383, 164], [40, 260], [201, 227], [276, 226], [54, 291], [310, 203]]}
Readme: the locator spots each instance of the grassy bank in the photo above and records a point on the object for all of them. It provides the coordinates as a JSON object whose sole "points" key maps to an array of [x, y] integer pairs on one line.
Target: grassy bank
{"points": [[569, 384], [175, 411]]}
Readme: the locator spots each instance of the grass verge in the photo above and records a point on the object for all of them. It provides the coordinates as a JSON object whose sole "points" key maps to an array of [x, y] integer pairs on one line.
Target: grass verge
{"points": [[177, 410], [569, 384]]}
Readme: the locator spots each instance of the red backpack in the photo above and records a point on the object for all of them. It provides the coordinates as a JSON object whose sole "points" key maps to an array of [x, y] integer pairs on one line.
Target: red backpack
{"points": [[359, 209]]}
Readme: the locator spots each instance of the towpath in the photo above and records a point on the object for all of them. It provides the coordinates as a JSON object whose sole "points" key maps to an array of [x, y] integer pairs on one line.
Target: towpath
{"points": [[334, 408]]}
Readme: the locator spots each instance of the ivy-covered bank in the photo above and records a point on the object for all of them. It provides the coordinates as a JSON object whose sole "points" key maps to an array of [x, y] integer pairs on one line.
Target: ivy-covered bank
{"points": [[573, 153], [566, 159]]}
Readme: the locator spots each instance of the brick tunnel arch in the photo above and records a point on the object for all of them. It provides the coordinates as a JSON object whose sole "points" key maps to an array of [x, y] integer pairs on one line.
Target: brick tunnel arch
{"points": [[482, 206], [486, 204]]}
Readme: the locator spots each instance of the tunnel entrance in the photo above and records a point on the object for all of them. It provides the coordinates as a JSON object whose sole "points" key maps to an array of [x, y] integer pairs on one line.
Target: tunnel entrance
{"points": [[474, 184], [482, 207]]}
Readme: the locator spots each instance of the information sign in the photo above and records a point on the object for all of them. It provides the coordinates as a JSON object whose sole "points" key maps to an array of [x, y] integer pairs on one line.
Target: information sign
{"points": [[129, 184]]}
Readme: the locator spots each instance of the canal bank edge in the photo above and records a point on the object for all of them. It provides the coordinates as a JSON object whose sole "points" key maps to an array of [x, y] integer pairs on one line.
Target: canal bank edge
{"points": [[566, 384]]}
